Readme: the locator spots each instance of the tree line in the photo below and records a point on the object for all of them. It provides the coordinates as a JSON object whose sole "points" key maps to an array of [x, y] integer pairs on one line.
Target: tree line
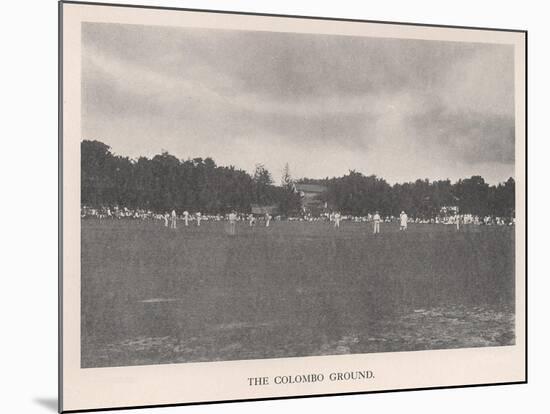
{"points": [[164, 182], [357, 194]]}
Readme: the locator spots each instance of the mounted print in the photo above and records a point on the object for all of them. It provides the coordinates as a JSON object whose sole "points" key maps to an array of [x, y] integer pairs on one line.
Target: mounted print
{"points": [[261, 206]]}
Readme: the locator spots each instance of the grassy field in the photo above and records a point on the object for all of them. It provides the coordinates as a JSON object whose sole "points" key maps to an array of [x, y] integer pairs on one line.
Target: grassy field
{"points": [[153, 295]]}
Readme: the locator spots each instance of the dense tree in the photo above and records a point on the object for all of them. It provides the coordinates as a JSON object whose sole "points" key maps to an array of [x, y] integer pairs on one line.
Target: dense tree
{"points": [[263, 181], [357, 194], [289, 199], [286, 178], [501, 199], [164, 182]]}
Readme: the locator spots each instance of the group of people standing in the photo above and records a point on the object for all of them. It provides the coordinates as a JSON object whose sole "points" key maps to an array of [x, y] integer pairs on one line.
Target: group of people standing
{"points": [[170, 220], [376, 220], [232, 218], [252, 219]]}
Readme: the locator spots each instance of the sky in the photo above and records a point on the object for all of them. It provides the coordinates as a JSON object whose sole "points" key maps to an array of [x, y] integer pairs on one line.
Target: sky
{"points": [[401, 109]]}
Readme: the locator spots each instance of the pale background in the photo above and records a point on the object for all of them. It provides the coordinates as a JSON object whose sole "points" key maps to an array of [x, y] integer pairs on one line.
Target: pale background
{"points": [[29, 172]]}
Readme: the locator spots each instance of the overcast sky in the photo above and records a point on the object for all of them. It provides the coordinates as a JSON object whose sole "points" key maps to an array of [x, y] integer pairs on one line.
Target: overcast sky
{"points": [[400, 109]]}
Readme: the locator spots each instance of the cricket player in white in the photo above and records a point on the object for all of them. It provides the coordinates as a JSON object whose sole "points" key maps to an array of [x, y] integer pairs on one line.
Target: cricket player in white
{"points": [[199, 219], [337, 218], [403, 221], [232, 220], [267, 219], [186, 218], [376, 221], [251, 219], [173, 220], [165, 218]]}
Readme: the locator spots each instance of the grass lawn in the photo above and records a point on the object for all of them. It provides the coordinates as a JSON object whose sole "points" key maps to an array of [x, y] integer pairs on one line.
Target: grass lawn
{"points": [[154, 295]]}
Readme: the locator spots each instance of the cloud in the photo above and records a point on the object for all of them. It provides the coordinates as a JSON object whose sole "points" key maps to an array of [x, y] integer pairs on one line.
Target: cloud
{"points": [[466, 135], [394, 107]]}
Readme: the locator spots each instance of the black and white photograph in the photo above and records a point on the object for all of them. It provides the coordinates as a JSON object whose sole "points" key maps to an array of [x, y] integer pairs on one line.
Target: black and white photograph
{"points": [[269, 206], [251, 195], [284, 206]]}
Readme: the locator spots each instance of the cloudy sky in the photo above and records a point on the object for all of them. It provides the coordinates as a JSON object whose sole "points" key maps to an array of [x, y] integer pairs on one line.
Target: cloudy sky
{"points": [[400, 109]]}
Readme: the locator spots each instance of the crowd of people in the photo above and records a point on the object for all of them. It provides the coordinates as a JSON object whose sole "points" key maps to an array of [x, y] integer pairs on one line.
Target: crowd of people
{"points": [[186, 218]]}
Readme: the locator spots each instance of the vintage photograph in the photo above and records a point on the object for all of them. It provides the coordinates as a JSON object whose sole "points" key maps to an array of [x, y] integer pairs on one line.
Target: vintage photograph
{"points": [[252, 194]]}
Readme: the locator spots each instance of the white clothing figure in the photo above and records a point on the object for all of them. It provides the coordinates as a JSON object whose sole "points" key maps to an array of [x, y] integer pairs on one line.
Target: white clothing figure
{"points": [[376, 221], [199, 219], [165, 217], [251, 220], [267, 219], [173, 220], [232, 220], [403, 221], [337, 218], [186, 218]]}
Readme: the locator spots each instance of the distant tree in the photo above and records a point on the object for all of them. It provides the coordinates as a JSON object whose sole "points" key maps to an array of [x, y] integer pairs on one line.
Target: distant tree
{"points": [[286, 178], [472, 195], [502, 198], [263, 182], [357, 194], [97, 173], [262, 176], [164, 182], [289, 199]]}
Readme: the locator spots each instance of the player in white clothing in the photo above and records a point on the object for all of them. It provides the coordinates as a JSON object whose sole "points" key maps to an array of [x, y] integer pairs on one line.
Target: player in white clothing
{"points": [[173, 219], [403, 221], [232, 220], [337, 218], [251, 220], [376, 220]]}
